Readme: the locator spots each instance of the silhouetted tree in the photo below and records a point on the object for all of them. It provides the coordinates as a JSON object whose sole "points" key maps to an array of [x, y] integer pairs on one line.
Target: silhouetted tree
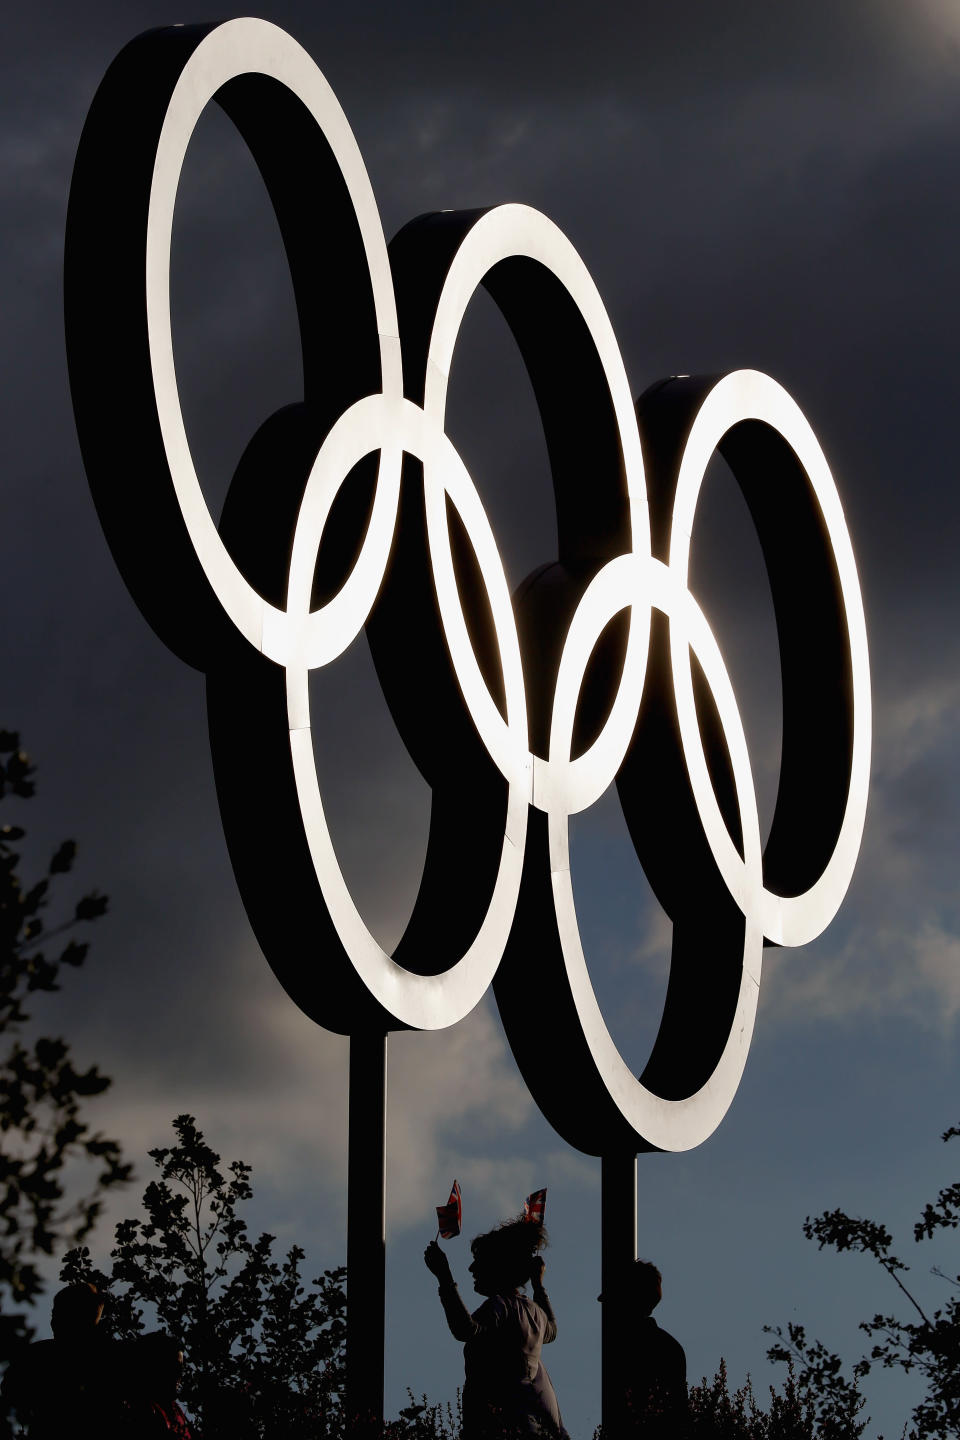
{"points": [[264, 1353], [927, 1344], [422, 1421], [716, 1413], [42, 1123]]}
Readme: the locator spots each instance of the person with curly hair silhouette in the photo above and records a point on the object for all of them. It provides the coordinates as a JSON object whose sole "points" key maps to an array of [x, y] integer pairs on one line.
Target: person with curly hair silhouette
{"points": [[507, 1392]]}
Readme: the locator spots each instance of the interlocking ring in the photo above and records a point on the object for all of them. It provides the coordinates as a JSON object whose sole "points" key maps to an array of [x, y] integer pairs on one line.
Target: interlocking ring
{"points": [[513, 736]]}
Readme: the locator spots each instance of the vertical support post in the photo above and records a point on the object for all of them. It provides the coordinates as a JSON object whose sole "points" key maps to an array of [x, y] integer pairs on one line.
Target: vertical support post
{"points": [[618, 1250], [366, 1234]]}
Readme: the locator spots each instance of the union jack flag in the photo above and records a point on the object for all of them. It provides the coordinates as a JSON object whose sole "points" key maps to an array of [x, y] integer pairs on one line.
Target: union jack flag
{"points": [[534, 1206], [450, 1216]]}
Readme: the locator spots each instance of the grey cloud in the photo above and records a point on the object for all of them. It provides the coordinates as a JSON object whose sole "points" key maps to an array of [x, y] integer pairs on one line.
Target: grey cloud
{"points": [[896, 950]]}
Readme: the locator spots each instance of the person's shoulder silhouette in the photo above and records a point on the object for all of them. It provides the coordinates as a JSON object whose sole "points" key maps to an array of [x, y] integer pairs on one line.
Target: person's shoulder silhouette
{"points": [[651, 1363], [153, 1364], [56, 1386]]}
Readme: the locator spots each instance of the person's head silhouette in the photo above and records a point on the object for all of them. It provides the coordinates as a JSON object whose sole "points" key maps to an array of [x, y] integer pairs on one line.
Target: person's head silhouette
{"points": [[76, 1312], [156, 1366], [503, 1258], [647, 1285], [641, 1287]]}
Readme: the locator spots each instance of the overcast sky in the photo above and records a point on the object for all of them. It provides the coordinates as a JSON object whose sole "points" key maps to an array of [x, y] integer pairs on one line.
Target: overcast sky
{"points": [[762, 185]]}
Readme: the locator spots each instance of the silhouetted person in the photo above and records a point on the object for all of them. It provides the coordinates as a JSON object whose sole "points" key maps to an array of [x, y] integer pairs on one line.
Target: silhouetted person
{"points": [[59, 1387], [152, 1368], [507, 1391], [651, 1363]]}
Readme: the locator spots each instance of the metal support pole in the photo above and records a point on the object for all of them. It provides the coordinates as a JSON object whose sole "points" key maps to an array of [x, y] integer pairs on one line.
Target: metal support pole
{"points": [[618, 1250], [366, 1238]]}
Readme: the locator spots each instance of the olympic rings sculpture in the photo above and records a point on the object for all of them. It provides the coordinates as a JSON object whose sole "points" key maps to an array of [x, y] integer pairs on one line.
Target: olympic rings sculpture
{"points": [[496, 725]]}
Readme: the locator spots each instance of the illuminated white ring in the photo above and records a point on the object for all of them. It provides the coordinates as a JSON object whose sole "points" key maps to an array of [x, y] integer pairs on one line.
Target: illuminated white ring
{"points": [[233, 49], [632, 581], [423, 1002], [742, 396], [506, 233]]}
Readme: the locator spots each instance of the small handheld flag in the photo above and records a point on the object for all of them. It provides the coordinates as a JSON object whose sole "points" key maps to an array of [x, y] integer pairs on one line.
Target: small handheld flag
{"points": [[450, 1216], [535, 1206]]}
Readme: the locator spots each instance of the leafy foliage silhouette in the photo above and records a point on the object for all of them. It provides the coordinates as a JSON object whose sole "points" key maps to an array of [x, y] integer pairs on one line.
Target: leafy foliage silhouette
{"points": [[927, 1344], [42, 1124], [714, 1413], [264, 1352]]}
